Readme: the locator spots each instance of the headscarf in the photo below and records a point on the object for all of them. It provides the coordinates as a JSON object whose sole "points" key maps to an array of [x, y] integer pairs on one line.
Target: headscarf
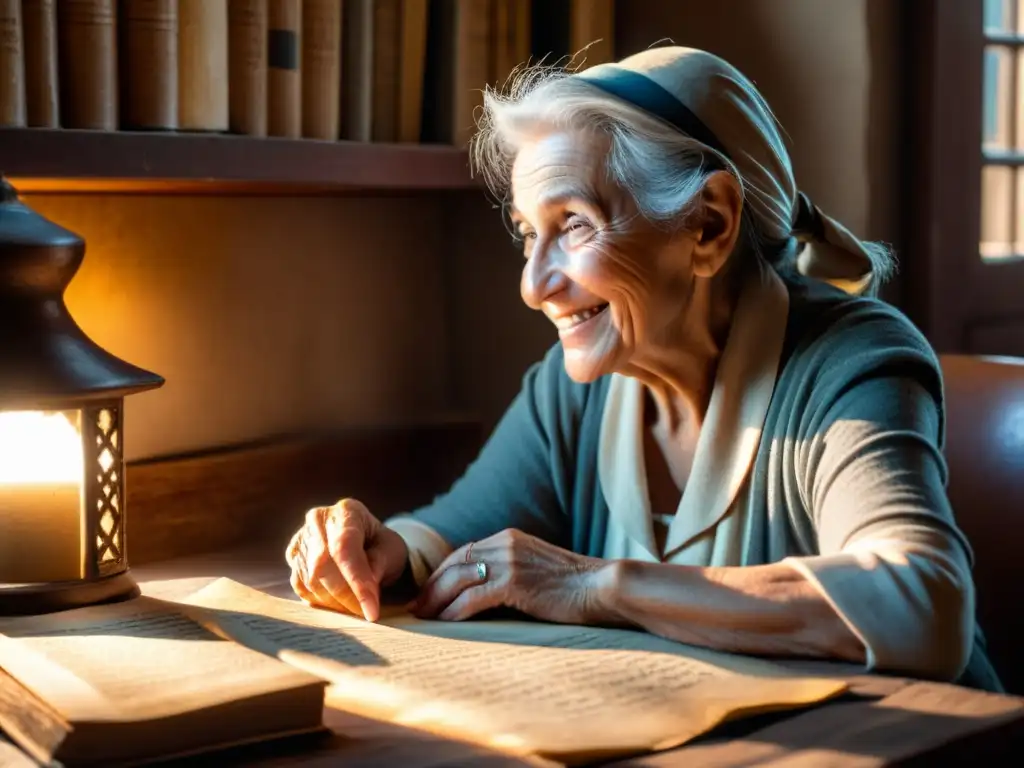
{"points": [[709, 100]]}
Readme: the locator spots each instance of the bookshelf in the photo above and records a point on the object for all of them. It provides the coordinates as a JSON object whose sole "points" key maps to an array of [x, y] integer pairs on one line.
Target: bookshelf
{"points": [[61, 160]]}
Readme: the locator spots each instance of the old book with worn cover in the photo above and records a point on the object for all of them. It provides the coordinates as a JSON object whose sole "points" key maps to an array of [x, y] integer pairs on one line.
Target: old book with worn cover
{"points": [[136, 681]]}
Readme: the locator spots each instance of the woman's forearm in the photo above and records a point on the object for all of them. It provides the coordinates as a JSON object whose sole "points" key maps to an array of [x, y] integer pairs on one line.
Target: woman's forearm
{"points": [[769, 610]]}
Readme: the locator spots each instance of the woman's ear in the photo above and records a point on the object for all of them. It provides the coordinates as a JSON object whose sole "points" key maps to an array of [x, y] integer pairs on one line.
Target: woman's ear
{"points": [[718, 227]]}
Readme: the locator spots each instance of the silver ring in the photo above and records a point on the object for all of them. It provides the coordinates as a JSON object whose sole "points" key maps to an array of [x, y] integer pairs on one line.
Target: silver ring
{"points": [[481, 571]]}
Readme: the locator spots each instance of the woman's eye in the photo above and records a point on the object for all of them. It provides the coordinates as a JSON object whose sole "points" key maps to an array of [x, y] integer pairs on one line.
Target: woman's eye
{"points": [[577, 227], [525, 242]]}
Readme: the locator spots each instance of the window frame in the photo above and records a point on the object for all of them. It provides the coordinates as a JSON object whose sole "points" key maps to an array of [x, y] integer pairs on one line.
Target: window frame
{"points": [[953, 295]]}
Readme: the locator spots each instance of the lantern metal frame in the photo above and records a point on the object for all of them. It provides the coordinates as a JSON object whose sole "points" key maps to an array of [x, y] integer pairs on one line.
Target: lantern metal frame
{"points": [[47, 363]]}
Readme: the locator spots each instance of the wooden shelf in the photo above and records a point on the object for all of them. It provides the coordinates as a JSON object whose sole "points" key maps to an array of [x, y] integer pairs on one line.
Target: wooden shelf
{"points": [[48, 160]]}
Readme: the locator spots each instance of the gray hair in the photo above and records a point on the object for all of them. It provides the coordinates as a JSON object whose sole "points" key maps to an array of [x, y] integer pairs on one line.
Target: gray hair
{"points": [[663, 169]]}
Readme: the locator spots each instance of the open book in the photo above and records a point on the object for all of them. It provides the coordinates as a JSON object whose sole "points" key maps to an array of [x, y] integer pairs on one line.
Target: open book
{"points": [[135, 681], [566, 693]]}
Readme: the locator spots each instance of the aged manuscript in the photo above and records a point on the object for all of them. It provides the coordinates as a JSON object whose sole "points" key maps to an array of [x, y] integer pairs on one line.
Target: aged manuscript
{"points": [[566, 693]]}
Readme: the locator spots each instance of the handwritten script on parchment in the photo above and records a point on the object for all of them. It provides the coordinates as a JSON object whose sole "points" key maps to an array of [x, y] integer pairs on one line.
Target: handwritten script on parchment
{"points": [[567, 693]]}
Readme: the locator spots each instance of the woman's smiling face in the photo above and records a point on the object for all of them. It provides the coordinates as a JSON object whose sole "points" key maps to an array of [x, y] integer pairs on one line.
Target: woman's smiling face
{"points": [[611, 282]]}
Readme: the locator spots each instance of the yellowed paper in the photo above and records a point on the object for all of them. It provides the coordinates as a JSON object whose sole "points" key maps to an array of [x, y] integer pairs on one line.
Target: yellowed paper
{"points": [[12, 757], [564, 693], [571, 636], [133, 660]]}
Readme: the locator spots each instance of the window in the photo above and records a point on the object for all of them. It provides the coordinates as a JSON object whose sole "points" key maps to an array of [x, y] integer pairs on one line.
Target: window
{"points": [[962, 259], [1002, 174]]}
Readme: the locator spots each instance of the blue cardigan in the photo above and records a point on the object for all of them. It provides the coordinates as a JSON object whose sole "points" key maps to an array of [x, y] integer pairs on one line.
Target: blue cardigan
{"points": [[845, 361]]}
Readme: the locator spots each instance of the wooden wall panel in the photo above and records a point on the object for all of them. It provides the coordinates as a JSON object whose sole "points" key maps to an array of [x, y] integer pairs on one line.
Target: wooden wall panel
{"points": [[254, 493]]}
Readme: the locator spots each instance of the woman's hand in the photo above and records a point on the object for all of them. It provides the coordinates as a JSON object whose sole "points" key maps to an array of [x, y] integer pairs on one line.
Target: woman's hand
{"points": [[343, 556], [515, 570]]}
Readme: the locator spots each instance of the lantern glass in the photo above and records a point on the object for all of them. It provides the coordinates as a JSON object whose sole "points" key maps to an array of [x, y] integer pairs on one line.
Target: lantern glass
{"points": [[41, 496], [61, 494]]}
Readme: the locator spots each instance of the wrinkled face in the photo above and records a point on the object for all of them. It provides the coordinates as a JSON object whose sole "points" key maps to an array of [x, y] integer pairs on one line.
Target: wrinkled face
{"points": [[614, 285]]}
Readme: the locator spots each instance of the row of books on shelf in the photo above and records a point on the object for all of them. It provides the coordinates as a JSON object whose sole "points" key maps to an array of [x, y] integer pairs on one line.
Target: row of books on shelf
{"points": [[361, 70]]}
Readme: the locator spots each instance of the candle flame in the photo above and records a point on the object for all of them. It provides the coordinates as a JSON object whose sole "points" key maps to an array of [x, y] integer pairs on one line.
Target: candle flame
{"points": [[39, 447]]}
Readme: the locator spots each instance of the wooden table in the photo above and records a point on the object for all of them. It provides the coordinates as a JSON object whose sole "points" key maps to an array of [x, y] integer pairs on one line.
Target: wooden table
{"points": [[885, 721]]}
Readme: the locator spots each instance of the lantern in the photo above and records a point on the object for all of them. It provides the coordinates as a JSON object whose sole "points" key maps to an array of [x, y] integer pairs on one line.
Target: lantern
{"points": [[62, 504]]}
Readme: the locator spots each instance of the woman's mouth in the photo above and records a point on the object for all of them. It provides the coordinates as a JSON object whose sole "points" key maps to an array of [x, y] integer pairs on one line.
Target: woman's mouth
{"points": [[579, 319]]}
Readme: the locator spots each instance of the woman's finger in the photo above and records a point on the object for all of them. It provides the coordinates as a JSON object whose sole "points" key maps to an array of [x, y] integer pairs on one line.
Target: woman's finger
{"points": [[331, 589], [355, 567], [292, 551], [299, 587], [312, 565], [346, 538], [457, 557], [473, 552], [295, 556], [471, 602], [299, 558], [438, 593]]}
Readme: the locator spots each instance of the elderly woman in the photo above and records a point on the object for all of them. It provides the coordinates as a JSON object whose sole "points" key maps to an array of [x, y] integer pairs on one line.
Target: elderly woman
{"points": [[732, 445]]}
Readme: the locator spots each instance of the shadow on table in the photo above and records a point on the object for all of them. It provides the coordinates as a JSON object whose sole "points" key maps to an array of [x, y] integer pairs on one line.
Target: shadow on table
{"points": [[362, 742], [864, 730]]}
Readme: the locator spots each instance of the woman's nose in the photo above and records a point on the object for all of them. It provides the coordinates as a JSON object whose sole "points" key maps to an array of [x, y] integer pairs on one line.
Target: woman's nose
{"points": [[542, 277]]}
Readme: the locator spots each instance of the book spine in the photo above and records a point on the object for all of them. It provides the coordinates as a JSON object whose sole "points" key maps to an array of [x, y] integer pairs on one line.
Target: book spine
{"points": [[321, 68], [501, 38], [520, 30], [357, 70], [87, 61], [247, 67], [386, 62], [592, 27], [203, 65], [284, 68], [472, 66], [149, 64], [414, 59], [12, 71], [39, 28]]}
